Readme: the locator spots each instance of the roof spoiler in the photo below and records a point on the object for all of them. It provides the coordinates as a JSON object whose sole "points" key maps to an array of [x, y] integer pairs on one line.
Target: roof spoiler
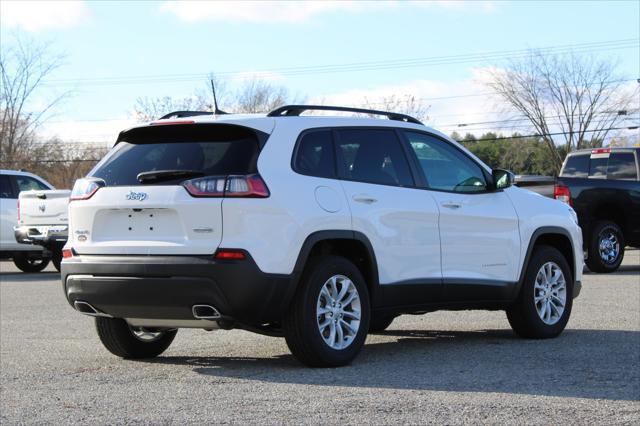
{"points": [[296, 110]]}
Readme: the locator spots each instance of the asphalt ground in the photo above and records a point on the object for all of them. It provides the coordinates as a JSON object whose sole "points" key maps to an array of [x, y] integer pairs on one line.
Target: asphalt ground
{"points": [[443, 367]]}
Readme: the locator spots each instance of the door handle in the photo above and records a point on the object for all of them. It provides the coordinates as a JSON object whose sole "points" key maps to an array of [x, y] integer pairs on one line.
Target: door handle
{"points": [[362, 198], [451, 205]]}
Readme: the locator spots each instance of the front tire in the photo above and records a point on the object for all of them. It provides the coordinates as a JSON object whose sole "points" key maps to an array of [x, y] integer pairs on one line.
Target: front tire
{"points": [[123, 341], [543, 307], [29, 264], [606, 247], [328, 320]]}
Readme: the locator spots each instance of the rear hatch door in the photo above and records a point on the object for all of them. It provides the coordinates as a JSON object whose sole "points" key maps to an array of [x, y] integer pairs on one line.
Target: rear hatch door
{"points": [[145, 215]]}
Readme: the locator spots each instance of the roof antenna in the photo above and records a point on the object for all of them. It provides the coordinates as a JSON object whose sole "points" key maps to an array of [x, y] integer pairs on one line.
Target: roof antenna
{"points": [[216, 110]]}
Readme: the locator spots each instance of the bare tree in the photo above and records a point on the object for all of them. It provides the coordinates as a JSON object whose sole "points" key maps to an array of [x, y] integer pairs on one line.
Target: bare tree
{"points": [[407, 104], [23, 67], [148, 109], [253, 96], [577, 96]]}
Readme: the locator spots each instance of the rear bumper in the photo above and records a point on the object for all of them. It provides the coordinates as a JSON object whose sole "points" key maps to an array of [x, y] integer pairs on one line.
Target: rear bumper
{"points": [[41, 235], [167, 287]]}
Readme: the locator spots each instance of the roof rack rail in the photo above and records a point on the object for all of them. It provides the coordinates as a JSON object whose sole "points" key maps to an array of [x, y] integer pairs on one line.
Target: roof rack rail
{"points": [[181, 114], [295, 110]]}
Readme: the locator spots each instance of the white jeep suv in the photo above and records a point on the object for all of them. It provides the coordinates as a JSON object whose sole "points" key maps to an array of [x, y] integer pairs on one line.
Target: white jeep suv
{"points": [[316, 228]]}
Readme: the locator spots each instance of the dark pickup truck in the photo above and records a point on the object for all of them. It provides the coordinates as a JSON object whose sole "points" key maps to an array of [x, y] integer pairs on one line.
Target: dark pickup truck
{"points": [[603, 186]]}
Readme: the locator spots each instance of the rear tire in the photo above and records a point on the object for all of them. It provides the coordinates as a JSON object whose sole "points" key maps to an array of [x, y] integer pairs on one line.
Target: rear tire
{"points": [[319, 330], [27, 264], [606, 247], [56, 258], [536, 313], [119, 339], [380, 323]]}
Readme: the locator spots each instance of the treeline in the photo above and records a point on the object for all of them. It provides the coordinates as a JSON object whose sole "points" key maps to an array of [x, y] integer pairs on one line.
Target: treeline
{"points": [[523, 155]]}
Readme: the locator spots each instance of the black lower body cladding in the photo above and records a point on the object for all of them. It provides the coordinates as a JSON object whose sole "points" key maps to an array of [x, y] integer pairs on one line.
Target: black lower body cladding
{"points": [[166, 287]]}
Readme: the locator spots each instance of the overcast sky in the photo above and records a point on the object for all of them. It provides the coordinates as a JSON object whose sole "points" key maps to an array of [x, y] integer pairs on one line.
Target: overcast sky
{"points": [[336, 52]]}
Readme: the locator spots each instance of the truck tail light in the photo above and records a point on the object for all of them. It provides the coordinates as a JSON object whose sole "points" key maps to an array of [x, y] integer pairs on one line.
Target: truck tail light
{"points": [[84, 189], [18, 210], [239, 186], [562, 193]]}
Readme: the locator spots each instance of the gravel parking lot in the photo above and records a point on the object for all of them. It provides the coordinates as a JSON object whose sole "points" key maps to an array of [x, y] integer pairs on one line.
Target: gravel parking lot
{"points": [[444, 367]]}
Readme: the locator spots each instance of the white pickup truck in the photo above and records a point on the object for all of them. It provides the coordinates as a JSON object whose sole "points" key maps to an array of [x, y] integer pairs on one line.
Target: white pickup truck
{"points": [[34, 220]]}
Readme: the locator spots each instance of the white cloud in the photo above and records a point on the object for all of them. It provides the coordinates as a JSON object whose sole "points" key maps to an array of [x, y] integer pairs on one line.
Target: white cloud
{"points": [[289, 11], [105, 131], [41, 15]]}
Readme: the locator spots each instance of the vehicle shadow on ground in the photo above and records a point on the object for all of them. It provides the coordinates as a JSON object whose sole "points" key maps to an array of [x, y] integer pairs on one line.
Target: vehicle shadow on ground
{"points": [[20, 277], [579, 363]]}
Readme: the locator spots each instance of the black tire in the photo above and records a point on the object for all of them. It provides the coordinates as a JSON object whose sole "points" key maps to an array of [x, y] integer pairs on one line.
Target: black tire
{"points": [[29, 264], [599, 231], [56, 258], [523, 316], [119, 339], [380, 323], [300, 325]]}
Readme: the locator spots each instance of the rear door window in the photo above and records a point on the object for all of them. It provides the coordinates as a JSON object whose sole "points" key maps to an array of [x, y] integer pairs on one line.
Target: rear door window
{"points": [[373, 156], [6, 191], [315, 155], [576, 166], [207, 150], [622, 166]]}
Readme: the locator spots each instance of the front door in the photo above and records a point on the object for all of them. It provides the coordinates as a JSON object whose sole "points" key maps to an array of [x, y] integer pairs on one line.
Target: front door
{"points": [[479, 236]]}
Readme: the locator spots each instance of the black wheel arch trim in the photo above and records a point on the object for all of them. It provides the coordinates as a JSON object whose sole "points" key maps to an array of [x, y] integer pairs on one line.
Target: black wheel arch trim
{"points": [[336, 234], [545, 230]]}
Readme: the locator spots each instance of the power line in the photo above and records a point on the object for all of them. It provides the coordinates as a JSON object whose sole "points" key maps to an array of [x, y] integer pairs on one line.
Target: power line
{"points": [[357, 66]]}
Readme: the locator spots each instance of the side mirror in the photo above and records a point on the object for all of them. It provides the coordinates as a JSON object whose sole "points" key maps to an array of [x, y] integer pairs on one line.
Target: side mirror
{"points": [[502, 178]]}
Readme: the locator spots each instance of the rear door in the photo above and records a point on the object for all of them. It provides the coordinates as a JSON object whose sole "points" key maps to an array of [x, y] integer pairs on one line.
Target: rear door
{"points": [[479, 235], [132, 215], [400, 221]]}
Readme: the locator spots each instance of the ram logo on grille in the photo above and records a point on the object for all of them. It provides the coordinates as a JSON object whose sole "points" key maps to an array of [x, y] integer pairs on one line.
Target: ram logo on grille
{"points": [[139, 196]]}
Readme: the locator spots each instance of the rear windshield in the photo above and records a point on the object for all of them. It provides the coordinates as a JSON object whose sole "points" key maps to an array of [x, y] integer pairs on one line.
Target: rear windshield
{"points": [[576, 166], [204, 148]]}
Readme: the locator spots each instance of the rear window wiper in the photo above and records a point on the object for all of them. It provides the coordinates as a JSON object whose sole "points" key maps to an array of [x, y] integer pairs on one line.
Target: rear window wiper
{"points": [[160, 175]]}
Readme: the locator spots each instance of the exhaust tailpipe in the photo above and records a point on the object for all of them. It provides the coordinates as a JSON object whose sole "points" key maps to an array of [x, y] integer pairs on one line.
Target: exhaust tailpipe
{"points": [[205, 312], [87, 309]]}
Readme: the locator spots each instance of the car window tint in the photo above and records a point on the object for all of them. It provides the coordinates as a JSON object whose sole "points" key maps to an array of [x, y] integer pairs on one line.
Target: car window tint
{"points": [[26, 183], [210, 149], [622, 165], [374, 156], [444, 166], [5, 187], [576, 166], [315, 155], [598, 166]]}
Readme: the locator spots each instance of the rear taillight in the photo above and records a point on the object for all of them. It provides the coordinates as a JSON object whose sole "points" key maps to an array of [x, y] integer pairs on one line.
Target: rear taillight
{"points": [[67, 253], [562, 193], [84, 189], [18, 210], [230, 254], [242, 186]]}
